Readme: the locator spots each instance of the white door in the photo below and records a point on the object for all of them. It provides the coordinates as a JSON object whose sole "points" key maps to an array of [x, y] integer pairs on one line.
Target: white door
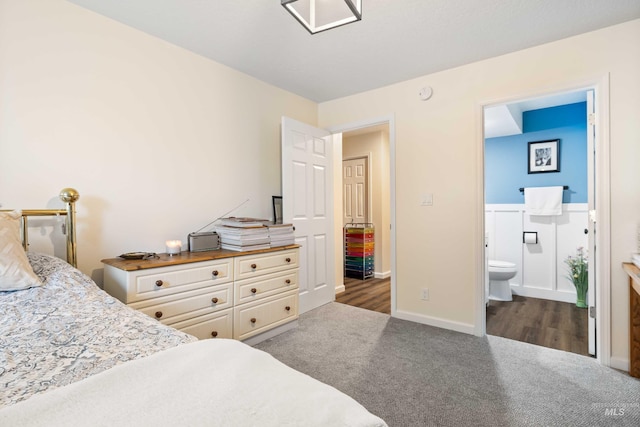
{"points": [[307, 203], [354, 190], [591, 189]]}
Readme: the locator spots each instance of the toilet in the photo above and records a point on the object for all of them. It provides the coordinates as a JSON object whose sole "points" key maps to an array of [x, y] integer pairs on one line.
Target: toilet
{"points": [[499, 274]]}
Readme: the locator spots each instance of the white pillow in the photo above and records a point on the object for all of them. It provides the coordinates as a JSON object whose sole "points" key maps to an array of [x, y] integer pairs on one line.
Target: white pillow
{"points": [[15, 271]]}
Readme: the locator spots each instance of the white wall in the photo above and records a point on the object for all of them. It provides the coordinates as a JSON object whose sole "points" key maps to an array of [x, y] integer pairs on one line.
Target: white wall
{"points": [[157, 140], [542, 271], [439, 150]]}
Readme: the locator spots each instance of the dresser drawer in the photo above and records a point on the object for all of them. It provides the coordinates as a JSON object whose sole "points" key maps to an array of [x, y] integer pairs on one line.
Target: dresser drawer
{"points": [[214, 325], [248, 290], [174, 308], [255, 265], [252, 318], [169, 280]]}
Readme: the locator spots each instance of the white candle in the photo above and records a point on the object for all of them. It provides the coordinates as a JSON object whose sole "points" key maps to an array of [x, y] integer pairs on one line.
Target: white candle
{"points": [[173, 247]]}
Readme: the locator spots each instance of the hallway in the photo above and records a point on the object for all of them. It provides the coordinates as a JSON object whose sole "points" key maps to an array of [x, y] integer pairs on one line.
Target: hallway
{"points": [[371, 294]]}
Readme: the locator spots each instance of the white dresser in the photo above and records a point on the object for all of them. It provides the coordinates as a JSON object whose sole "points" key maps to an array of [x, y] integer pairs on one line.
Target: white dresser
{"points": [[249, 296]]}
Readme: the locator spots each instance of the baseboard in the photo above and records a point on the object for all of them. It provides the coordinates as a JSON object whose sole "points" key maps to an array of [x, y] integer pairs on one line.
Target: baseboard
{"points": [[340, 289], [436, 321], [619, 363], [544, 294], [382, 275]]}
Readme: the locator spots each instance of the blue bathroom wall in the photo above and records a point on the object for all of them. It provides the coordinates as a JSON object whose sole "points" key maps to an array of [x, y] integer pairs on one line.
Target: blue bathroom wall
{"points": [[506, 157]]}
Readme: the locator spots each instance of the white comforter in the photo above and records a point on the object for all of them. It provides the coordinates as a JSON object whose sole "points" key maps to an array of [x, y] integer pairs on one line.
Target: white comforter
{"points": [[206, 383]]}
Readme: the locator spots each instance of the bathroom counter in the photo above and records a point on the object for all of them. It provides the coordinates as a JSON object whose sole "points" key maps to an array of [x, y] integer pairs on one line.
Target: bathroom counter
{"points": [[634, 318]]}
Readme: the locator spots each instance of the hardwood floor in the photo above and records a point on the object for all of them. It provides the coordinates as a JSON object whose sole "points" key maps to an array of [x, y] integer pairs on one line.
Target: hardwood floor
{"points": [[552, 324], [372, 294]]}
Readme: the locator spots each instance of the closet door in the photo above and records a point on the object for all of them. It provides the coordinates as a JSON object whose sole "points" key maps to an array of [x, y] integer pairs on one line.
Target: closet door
{"points": [[354, 191]]}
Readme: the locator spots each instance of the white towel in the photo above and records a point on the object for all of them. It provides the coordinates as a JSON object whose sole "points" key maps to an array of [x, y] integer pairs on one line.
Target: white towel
{"points": [[543, 200]]}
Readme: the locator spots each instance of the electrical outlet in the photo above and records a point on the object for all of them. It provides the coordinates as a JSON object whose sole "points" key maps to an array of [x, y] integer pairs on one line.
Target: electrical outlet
{"points": [[425, 294]]}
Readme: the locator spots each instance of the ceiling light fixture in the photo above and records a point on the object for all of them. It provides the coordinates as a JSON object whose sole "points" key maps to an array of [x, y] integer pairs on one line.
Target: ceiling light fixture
{"points": [[321, 15]]}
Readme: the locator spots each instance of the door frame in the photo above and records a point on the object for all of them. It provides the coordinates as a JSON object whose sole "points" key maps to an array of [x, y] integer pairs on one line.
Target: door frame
{"points": [[389, 120], [600, 85], [592, 333]]}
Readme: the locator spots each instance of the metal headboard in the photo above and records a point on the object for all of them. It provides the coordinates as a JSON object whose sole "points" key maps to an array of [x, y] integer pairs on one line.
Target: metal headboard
{"points": [[69, 196]]}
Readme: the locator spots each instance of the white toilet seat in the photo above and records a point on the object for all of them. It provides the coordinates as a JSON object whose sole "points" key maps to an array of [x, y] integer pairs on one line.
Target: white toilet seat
{"points": [[501, 264]]}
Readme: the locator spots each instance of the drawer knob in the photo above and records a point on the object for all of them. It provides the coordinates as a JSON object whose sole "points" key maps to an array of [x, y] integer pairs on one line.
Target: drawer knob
{"points": [[287, 308], [253, 320], [214, 300], [159, 283], [288, 259], [215, 272], [254, 290], [287, 281], [158, 314], [214, 334], [254, 266]]}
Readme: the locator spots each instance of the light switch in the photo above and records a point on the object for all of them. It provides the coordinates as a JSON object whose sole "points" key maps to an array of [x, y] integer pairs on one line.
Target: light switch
{"points": [[427, 199]]}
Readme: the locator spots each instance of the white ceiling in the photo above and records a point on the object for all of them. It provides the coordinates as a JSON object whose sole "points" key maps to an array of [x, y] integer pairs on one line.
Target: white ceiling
{"points": [[505, 120], [396, 40]]}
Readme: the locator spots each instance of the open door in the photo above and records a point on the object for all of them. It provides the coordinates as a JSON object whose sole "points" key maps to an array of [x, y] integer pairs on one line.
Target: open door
{"points": [[307, 203], [591, 186]]}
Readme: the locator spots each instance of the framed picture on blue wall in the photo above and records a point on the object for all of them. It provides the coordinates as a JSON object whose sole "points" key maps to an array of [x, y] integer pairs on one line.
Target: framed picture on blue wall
{"points": [[544, 156]]}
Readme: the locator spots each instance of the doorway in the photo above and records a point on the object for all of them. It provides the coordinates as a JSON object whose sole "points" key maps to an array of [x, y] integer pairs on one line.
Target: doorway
{"points": [[539, 306], [313, 193], [366, 202]]}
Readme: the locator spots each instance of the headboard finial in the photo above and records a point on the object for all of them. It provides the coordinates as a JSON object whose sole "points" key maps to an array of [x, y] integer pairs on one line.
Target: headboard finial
{"points": [[69, 195]]}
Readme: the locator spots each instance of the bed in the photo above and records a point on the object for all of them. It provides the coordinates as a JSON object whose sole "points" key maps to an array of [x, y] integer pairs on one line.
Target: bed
{"points": [[70, 354]]}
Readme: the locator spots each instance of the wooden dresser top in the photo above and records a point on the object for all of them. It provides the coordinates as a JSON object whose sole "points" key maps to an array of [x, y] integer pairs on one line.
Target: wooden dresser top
{"points": [[634, 274], [164, 260]]}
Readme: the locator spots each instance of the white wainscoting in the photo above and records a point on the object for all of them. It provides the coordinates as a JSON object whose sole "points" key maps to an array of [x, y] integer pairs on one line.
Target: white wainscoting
{"points": [[542, 271]]}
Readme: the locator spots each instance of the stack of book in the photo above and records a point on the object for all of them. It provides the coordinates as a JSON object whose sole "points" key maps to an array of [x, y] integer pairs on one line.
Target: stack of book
{"points": [[243, 234], [280, 234]]}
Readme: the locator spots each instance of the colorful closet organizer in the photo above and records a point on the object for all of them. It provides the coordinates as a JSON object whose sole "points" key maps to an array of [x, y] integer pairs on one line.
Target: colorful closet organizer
{"points": [[358, 250]]}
